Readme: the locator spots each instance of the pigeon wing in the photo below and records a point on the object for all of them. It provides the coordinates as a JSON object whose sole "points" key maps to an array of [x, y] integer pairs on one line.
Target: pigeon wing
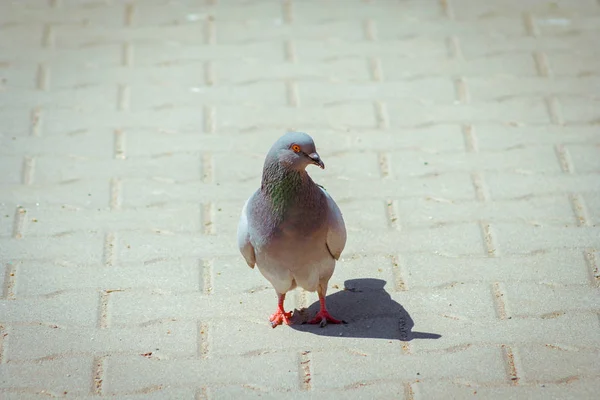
{"points": [[336, 236], [243, 236]]}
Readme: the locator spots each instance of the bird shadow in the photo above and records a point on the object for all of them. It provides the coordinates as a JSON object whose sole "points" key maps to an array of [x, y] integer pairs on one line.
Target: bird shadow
{"points": [[368, 310]]}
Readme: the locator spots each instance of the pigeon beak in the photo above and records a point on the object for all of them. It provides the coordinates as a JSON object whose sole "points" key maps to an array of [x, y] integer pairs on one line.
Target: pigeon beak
{"points": [[316, 160]]}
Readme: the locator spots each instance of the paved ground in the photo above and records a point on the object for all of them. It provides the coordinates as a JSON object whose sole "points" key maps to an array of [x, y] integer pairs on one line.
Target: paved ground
{"points": [[462, 139]]}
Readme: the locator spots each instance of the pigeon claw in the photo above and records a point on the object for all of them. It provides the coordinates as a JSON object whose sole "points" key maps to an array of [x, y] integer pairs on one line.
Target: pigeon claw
{"points": [[323, 317], [280, 317]]}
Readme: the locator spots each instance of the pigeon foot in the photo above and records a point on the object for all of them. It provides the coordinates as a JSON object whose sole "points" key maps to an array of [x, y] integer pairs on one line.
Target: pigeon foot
{"points": [[323, 317], [280, 317]]}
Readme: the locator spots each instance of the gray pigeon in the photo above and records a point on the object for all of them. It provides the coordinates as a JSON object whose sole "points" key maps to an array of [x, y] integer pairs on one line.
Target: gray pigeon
{"points": [[291, 228]]}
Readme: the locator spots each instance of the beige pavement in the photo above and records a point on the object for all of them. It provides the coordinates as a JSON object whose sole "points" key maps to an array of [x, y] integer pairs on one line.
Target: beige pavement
{"points": [[462, 143]]}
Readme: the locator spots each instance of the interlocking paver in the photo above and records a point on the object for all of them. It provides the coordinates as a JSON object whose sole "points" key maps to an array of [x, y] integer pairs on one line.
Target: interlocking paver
{"points": [[571, 332], [82, 306], [548, 301], [54, 377], [168, 339], [39, 278], [461, 143], [546, 363], [579, 389], [568, 267], [139, 373], [481, 364]]}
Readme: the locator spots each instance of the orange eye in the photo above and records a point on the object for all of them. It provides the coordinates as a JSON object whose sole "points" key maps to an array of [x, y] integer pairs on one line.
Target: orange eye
{"points": [[296, 148]]}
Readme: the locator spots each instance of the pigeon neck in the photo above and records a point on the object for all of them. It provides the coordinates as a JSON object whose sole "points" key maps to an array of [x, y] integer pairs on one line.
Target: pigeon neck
{"points": [[282, 185]]}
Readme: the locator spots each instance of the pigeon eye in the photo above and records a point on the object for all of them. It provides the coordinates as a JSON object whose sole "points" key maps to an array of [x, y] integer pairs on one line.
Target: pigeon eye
{"points": [[296, 148]]}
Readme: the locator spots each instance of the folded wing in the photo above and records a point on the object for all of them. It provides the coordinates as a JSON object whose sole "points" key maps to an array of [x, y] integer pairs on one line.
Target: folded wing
{"points": [[243, 237], [336, 237]]}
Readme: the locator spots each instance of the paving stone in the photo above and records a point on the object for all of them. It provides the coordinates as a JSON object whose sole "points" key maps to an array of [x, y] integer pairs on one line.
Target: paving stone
{"points": [[547, 363], [419, 212], [164, 339], [442, 390], [551, 301], [57, 377], [139, 373], [84, 248], [43, 278], [423, 269], [484, 365], [458, 332], [82, 309]]}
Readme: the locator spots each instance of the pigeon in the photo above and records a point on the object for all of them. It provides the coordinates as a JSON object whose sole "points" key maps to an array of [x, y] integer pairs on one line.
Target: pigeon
{"points": [[291, 228]]}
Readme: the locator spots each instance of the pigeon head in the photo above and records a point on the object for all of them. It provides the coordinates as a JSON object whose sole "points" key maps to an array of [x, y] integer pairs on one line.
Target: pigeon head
{"points": [[296, 150]]}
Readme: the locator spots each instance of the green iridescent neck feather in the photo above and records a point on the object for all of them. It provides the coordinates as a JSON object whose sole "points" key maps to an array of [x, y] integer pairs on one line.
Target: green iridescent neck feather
{"points": [[282, 186]]}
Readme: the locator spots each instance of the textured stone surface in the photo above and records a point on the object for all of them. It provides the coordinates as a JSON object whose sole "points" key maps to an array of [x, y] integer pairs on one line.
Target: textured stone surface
{"points": [[462, 143]]}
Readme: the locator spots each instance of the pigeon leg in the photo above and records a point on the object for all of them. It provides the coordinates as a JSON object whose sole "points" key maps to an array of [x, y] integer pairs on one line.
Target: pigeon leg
{"points": [[323, 316], [280, 316]]}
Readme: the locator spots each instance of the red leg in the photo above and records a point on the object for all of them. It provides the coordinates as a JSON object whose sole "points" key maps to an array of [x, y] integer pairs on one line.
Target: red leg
{"points": [[323, 316], [280, 316]]}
